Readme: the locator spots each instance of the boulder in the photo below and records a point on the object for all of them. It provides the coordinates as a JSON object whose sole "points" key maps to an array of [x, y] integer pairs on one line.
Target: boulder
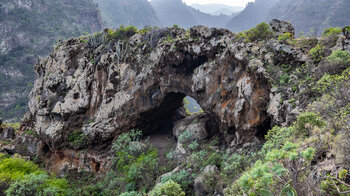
{"points": [[200, 184], [8, 134], [346, 32], [281, 27]]}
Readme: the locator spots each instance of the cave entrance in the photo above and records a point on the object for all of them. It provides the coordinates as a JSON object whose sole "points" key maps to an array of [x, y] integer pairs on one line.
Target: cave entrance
{"points": [[160, 121]]}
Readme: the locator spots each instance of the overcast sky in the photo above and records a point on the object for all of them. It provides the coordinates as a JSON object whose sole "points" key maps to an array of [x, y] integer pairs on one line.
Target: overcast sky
{"points": [[227, 2]]}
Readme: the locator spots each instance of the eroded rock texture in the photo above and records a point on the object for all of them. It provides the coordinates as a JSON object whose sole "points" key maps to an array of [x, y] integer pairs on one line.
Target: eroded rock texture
{"points": [[91, 90]]}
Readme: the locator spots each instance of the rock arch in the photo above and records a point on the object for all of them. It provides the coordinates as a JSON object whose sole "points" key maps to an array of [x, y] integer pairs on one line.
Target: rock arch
{"points": [[104, 97]]}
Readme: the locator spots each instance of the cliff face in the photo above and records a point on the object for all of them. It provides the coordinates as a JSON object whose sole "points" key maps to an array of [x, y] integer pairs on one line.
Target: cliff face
{"points": [[28, 29], [138, 13]]}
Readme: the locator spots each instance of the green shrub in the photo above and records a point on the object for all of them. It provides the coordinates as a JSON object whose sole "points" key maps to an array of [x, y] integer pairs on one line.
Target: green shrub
{"points": [[132, 193], [284, 79], [136, 161], [38, 184], [181, 177], [169, 188], [317, 53], [307, 121], [285, 37], [332, 31], [339, 56], [77, 139], [122, 32], [267, 175], [15, 168], [186, 137], [214, 159], [260, 32]]}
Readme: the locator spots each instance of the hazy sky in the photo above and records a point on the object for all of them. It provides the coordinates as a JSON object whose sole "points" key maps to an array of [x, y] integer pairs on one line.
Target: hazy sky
{"points": [[227, 2]]}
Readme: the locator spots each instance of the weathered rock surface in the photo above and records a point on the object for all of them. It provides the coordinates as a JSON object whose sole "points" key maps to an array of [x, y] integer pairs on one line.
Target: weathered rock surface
{"points": [[282, 27], [8, 134], [92, 90]]}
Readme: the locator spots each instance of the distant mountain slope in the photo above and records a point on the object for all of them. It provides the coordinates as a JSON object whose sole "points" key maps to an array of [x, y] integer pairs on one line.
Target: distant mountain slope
{"points": [[138, 13], [313, 14], [217, 9], [252, 15], [28, 29], [209, 20], [172, 12]]}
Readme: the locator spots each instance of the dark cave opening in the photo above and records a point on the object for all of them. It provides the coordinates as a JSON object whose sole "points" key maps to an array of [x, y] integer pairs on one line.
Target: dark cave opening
{"points": [[263, 129], [157, 125]]}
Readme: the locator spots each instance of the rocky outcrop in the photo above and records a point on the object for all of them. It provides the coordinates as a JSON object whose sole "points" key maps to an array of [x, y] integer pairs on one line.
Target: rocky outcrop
{"points": [[97, 93], [282, 27]]}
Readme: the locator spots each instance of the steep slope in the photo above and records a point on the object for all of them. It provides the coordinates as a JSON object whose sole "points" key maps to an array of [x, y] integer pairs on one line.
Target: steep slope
{"points": [[315, 15], [217, 9], [208, 19], [28, 29], [253, 14], [173, 12], [138, 13]]}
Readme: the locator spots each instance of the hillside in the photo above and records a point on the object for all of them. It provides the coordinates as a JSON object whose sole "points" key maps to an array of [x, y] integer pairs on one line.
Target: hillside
{"points": [[253, 14], [138, 13], [28, 30], [208, 19], [173, 12], [312, 15], [217, 9]]}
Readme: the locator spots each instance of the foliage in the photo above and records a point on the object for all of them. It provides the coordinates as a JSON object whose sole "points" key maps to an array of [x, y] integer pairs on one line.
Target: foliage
{"points": [[136, 162], [317, 53], [260, 32], [25, 178], [339, 56], [122, 33], [331, 31], [15, 168], [307, 121], [38, 184], [186, 137], [285, 37], [96, 39], [181, 177], [169, 188], [275, 171], [77, 139], [132, 193]]}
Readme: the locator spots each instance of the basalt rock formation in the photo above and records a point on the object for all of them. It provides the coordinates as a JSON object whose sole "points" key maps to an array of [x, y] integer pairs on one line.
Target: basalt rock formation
{"points": [[99, 93]]}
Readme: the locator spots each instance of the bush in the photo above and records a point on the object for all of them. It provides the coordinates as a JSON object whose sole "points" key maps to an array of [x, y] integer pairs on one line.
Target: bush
{"points": [[260, 32], [77, 139], [317, 53], [15, 168], [25, 178], [332, 31], [339, 57], [307, 121], [122, 32], [136, 161], [132, 193], [169, 188], [38, 184], [285, 37], [181, 177]]}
